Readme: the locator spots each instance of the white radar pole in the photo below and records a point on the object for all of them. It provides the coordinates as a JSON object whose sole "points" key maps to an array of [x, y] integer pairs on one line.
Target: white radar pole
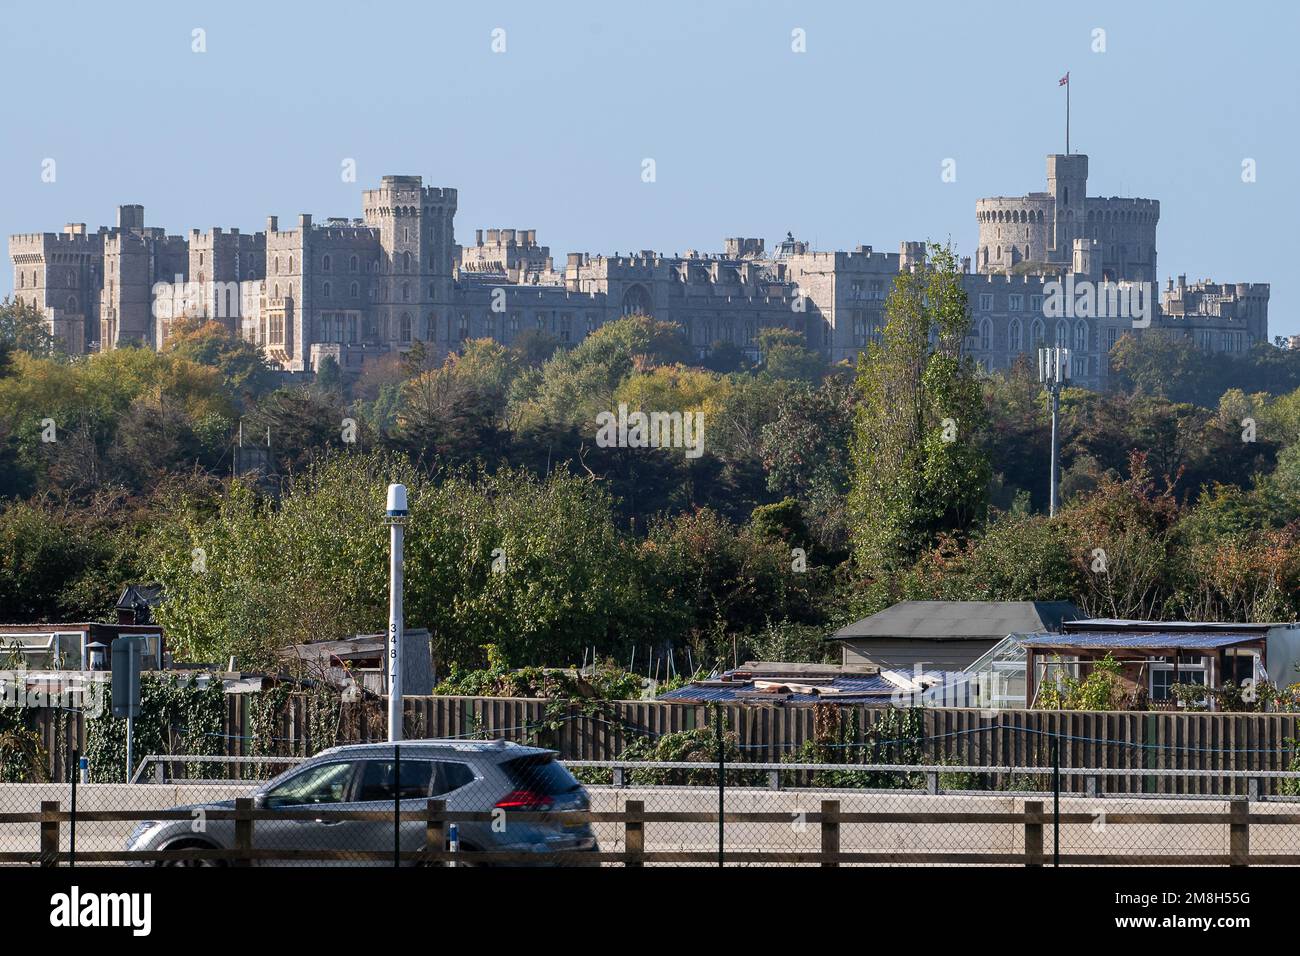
{"points": [[396, 518]]}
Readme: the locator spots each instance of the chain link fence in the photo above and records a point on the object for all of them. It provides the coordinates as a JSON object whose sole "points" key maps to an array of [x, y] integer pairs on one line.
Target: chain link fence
{"points": [[469, 803]]}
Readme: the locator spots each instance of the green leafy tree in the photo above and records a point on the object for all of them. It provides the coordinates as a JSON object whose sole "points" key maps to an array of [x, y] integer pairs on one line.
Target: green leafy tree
{"points": [[918, 469]]}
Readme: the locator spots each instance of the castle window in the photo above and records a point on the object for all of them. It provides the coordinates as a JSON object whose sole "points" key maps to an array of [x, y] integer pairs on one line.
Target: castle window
{"points": [[325, 264], [404, 327], [406, 292], [514, 325], [352, 264], [1015, 338], [1081, 337], [462, 330], [1037, 334], [1015, 302], [406, 262], [291, 264], [326, 290], [986, 335], [986, 298], [1063, 334], [277, 265], [355, 290], [22, 280]]}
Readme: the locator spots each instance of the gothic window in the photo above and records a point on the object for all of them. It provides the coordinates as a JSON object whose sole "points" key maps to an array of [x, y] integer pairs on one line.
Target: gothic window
{"points": [[277, 265], [1081, 337], [406, 292], [986, 335], [462, 330], [352, 264], [1063, 334], [1015, 340], [405, 327], [325, 264], [355, 290], [1037, 334], [72, 303], [325, 289]]}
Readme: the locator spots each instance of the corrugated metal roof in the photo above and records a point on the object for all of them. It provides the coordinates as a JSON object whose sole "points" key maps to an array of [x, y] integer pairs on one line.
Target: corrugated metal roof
{"points": [[855, 689], [1115, 625], [1144, 641]]}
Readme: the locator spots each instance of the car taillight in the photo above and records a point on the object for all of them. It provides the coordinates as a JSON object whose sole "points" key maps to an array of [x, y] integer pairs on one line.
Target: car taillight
{"points": [[525, 800]]}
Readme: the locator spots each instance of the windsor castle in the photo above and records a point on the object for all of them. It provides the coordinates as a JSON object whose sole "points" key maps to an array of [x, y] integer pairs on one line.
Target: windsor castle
{"points": [[358, 289]]}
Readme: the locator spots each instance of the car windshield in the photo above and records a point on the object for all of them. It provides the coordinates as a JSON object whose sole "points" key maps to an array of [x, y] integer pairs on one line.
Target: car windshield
{"points": [[327, 783]]}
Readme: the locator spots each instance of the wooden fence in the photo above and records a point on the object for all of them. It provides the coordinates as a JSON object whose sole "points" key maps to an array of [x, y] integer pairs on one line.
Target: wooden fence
{"points": [[1154, 740], [634, 821]]}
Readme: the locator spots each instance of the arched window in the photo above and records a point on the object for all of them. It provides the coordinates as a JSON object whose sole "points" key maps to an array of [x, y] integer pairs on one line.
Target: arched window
{"points": [[986, 335], [291, 263], [1081, 337], [326, 289], [277, 265], [1037, 334], [72, 303], [404, 327], [406, 262], [352, 264], [325, 264], [355, 290], [1063, 334], [1015, 341]]}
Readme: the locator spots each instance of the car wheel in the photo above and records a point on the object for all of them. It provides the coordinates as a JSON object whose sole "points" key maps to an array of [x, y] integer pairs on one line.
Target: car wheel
{"points": [[191, 845]]}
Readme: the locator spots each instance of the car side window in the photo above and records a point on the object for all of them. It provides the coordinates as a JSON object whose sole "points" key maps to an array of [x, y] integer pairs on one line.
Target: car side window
{"points": [[327, 783], [377, 779], [451, 776]]}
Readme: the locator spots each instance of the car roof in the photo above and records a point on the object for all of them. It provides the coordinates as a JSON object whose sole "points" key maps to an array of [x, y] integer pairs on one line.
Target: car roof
{"points": [[427, 747]]}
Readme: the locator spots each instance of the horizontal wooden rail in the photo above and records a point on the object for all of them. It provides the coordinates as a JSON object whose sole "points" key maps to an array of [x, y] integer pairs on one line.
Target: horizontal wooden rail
{"points": [[638, 827]]}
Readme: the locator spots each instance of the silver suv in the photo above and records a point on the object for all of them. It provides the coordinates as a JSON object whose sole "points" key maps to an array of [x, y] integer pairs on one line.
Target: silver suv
{"points": [[469, 775]]}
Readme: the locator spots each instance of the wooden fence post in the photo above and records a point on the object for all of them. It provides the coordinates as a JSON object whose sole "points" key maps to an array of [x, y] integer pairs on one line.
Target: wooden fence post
{"points": [[830, 832], [1033, 833], [634, 831], [435, 828], [1239, 832], [49, 833], [243, 830]]}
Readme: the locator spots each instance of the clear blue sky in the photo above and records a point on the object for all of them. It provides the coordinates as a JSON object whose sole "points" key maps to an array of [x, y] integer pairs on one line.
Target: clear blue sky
{"points": [[841, 144]]}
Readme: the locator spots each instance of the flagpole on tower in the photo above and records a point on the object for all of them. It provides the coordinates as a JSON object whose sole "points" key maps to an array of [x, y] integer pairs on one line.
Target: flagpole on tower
{"points": [[1066, 81]]}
